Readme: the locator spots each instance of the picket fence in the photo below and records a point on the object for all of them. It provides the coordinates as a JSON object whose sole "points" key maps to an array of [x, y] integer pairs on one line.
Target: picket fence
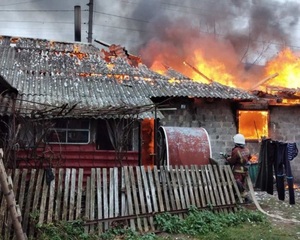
{"points": [[128, 196]]}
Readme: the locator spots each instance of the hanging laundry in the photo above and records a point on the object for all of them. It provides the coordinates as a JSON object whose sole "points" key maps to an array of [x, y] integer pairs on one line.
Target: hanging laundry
{"points": [[292, 151], [275, 157]]}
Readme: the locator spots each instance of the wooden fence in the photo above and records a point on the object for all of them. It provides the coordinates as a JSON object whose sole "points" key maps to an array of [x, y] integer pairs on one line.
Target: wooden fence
{"points": [[130, 196]]}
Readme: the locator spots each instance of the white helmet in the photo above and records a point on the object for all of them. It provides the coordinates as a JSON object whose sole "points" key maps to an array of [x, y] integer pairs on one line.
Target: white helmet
{"points": [[239, 139]]}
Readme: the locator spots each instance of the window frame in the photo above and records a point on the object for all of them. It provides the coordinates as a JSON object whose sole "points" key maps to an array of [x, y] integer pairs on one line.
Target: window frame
{"points": [[66, 130], [266, 123]]}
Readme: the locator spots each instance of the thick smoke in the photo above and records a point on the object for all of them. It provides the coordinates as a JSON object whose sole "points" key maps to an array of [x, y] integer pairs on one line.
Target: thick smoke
{"points": [[236, 32]]}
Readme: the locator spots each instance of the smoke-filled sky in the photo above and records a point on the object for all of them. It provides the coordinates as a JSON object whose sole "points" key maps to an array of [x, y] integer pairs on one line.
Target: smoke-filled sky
{"points": [[248, 31]]}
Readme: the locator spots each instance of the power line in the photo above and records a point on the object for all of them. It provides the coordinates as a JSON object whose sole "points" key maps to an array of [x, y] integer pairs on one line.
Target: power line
{"points": [[118, 16], [18, 3], [43, 22], [35, 10]]}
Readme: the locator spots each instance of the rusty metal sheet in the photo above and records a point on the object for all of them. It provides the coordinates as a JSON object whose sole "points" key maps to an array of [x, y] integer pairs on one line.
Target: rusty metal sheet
{"points": [[187, 146]]}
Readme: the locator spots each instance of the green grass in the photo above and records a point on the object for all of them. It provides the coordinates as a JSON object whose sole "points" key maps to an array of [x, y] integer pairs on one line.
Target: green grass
{"points": [[203, 225]]}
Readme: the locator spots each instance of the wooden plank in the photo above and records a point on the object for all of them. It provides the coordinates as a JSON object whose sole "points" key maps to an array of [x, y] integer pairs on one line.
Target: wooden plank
{"points": [[28, 199], [99, 200], [87, 203], [190, 186], [142, 197], [72, 195], [152, 190], [22, 191], [111, 194], [209, 199], [174, 182], [79, 193], [224, 185], [219, 185], [43, 202], [105, 196], [135, 198], [185, 187], [169, 188], [51, 200], [129, 197], [235, 187], [230, 184], [3, 214], [116, 192], [147, 195], [57, 214], [158, 189], [14, 188], [210, 175], [195, 186], [235, 193], [124, 208], [200, 186], [36, 197], [92, 198], [8, 222], [180, 187], [16, 179], [66, 194], [164, 187]]}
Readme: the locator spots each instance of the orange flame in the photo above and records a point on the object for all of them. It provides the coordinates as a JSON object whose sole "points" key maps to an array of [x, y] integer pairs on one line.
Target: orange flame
{"points": [[287, 64], [213, 69], [200, 70]]}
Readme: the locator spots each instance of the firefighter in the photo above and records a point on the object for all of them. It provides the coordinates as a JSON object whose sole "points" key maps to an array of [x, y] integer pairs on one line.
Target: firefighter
{"points": [[239, 161]]}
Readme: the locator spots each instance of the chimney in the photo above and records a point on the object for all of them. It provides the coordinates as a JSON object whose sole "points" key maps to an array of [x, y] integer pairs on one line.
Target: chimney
{"points": [[77, 23]]}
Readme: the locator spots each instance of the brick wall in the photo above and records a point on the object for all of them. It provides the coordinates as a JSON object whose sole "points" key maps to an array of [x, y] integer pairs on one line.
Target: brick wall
{"points": [[218, 118]]}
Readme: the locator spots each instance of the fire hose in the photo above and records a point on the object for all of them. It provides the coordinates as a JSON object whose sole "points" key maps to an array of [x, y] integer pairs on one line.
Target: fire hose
{"points": [[253, 197]]}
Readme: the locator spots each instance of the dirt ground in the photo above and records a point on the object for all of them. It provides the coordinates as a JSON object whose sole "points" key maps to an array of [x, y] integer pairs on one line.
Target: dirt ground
{"points": [[285, 216], [271, 204]]}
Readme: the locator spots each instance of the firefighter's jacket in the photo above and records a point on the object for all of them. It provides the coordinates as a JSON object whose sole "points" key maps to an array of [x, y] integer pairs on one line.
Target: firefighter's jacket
{"points": [[239, 159]]}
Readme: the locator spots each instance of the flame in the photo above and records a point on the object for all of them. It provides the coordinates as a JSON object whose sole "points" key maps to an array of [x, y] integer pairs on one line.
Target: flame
{"points": [[213, 69], [253, 124], [287, 64], [295, 186], [158, 67], [199, 69], [254, 158]]}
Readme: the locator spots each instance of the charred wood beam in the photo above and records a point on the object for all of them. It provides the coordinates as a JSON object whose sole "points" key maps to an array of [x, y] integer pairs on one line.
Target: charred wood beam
{"points": [[197, 71], [263, 81]]}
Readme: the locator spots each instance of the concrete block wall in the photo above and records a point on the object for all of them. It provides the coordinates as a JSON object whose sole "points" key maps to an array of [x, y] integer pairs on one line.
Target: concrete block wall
{"points": [[285, 126], [216, 117], [219, 121]]}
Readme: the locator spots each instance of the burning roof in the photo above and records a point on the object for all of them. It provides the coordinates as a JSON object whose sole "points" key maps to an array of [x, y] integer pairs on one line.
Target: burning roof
{"points": [[80, 79]]}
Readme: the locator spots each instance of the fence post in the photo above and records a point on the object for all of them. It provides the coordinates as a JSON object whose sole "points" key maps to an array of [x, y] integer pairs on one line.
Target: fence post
{"points": [[10, 199]]}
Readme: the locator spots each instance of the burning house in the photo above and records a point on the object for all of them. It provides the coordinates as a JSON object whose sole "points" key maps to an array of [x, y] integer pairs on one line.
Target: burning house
{"points": [[79, 106]]}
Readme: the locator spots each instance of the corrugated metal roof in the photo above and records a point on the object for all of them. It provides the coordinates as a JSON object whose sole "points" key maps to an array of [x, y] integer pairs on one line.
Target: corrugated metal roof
{"points": [[52, 75]]}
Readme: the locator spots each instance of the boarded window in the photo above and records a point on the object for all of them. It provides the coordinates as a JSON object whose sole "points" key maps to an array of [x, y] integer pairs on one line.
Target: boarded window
{"points": [[253, 124]]}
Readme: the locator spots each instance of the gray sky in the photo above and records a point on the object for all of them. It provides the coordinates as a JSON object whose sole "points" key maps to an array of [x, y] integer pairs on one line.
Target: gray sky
{"points": [[251, 30]]}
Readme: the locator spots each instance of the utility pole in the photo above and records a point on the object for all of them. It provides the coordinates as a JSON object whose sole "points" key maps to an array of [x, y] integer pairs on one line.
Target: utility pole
{"points": [[91, 11]]}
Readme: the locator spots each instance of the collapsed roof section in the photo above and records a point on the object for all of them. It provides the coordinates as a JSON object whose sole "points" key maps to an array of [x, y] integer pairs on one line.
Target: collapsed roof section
{"points": [[80, 80]]}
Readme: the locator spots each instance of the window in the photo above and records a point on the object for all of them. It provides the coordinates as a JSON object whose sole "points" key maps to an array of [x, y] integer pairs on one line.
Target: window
{"points": [[115, 134], [69, 131], [253, 124]]}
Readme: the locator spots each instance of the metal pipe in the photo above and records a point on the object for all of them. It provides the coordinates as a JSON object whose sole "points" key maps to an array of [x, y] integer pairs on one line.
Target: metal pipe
{"points": [[77, 23]]}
